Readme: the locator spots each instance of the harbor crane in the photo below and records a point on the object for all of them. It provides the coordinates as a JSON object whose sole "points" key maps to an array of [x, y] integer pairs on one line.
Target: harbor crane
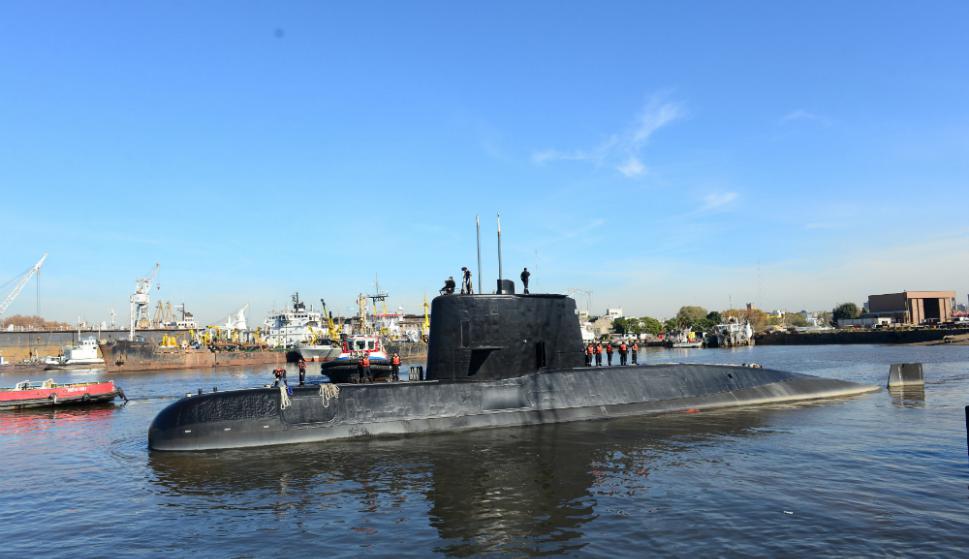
{"points": [[140, 301], [21, 282]]}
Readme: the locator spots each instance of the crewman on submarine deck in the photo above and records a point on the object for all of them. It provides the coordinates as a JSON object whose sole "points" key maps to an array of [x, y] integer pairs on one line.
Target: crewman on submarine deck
{"points": [[302, 372], [525, 275], [279, 374], [466, 281], [449, 285], [395, 365]]}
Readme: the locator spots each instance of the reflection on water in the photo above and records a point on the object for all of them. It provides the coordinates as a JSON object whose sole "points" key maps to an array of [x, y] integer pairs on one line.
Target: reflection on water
{"points": [[908, 396], [512, 490], [19, 422]]}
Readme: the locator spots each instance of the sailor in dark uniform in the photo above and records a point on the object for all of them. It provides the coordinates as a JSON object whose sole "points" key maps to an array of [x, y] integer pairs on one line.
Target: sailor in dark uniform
{"points": [[466, 285], [525, 275], [448, 288]]}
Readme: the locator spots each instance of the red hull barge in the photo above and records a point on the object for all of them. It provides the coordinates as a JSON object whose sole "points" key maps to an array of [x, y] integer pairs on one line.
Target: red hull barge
{"points": [[48, 394]]}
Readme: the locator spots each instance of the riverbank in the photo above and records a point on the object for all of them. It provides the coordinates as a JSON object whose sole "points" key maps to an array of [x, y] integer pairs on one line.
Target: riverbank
{"points": [[924, 336]]}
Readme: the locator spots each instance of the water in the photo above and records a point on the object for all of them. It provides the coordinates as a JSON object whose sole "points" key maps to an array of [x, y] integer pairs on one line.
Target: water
{"points": [[880, 474]]}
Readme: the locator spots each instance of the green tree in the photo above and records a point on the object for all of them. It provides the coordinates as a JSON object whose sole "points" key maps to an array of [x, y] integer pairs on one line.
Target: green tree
{"points": [[703, 325], [795, 319], [714, 317], [845, 310], [620, 326], [651, 325], [689, 314], [670, 325], [634, 326]]}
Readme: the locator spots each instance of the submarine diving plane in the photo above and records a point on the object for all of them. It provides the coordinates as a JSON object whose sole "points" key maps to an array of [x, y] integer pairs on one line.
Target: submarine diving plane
{"points": [[494, 360]]}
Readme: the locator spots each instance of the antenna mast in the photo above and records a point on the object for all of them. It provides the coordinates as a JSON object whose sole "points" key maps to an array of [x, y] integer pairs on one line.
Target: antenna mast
{"points": [[500, 276], [477, 225]]}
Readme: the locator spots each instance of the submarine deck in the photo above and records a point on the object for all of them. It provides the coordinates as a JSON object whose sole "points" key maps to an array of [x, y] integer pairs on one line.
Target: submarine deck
{"points": [[253, 417]]}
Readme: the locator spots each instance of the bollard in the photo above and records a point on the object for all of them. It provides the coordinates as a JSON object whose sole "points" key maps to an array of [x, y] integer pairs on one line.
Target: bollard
{"points": [[200, 391], [905, 374], [416, 372], [215, 389]]}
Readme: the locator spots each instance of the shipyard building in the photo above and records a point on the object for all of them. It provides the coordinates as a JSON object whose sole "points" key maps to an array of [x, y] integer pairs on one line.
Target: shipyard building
{"points": [[913, 307]]}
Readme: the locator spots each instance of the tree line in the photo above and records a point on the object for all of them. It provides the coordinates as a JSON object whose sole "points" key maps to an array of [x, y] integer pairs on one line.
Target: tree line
{"points": [[700, 320]]}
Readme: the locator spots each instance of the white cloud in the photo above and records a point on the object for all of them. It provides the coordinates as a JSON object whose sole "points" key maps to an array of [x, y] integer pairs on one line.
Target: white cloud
{"points": [[804, 115], [621, 151], [546, 155], [633, 167], [655, 116], [717, 200]]}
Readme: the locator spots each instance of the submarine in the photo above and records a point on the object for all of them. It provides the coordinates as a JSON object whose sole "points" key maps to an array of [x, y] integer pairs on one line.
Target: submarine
{"points": [[494, 360]]}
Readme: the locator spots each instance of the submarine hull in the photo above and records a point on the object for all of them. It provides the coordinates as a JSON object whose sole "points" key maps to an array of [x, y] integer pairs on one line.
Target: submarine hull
{"points": [[254, 417]]}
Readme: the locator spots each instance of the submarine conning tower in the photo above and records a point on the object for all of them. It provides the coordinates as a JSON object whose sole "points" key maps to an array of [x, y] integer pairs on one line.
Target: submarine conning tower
{"points": [[477, 338]]}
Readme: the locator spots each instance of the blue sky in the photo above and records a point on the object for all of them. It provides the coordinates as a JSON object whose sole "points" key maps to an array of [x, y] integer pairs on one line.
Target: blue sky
{"points": [[658, 154]]}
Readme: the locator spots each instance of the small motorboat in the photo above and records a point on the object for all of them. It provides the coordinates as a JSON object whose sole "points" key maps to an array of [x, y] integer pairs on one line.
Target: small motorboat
{"points": [[48, 393]]}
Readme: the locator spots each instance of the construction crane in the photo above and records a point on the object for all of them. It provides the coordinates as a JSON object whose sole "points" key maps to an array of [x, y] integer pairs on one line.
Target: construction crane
{"points": [[140, 301], [332, 330], [19, 286]]}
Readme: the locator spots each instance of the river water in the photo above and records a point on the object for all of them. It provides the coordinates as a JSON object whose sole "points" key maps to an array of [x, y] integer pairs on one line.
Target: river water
{"points": [[881, 474]]}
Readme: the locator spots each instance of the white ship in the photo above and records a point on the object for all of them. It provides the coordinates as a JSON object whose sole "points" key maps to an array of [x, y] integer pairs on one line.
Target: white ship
{"points": [[292, 327], [83, 355], [733, 333]]}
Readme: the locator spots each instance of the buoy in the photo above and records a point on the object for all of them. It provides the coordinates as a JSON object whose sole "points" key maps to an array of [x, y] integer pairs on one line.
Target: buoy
{"points": [[692, 410], [905, 374]]}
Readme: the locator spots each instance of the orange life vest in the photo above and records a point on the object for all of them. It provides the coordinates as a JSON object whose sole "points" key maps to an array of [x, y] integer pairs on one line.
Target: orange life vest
{"points": [[622, 347], [599, 349], [366, 361], [395, 360]]}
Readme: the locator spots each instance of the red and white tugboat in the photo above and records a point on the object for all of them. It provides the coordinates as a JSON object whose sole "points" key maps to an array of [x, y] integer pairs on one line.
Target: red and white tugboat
{"points": [[47, 394], [345, 368]]}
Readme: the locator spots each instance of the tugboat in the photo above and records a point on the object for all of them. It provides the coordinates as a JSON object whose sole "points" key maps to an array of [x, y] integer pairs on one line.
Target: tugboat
{"points": [[47, 394], [495, 360], [685, 338], [345, 367]]}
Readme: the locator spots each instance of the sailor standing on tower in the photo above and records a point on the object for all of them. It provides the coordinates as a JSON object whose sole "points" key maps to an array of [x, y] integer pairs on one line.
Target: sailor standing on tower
{"points": [[525, 275], [466, 286]]}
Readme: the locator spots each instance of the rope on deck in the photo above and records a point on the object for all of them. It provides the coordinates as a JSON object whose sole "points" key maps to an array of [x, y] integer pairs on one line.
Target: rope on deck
{"points": [[328, 392], [284, 401]]}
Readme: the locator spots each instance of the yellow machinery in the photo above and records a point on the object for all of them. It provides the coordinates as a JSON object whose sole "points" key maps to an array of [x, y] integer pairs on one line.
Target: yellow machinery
{"points": [[426, 325]]}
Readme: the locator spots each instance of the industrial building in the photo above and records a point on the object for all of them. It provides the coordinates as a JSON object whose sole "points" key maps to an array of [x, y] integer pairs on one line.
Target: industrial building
{"points": [[913, 307]]}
